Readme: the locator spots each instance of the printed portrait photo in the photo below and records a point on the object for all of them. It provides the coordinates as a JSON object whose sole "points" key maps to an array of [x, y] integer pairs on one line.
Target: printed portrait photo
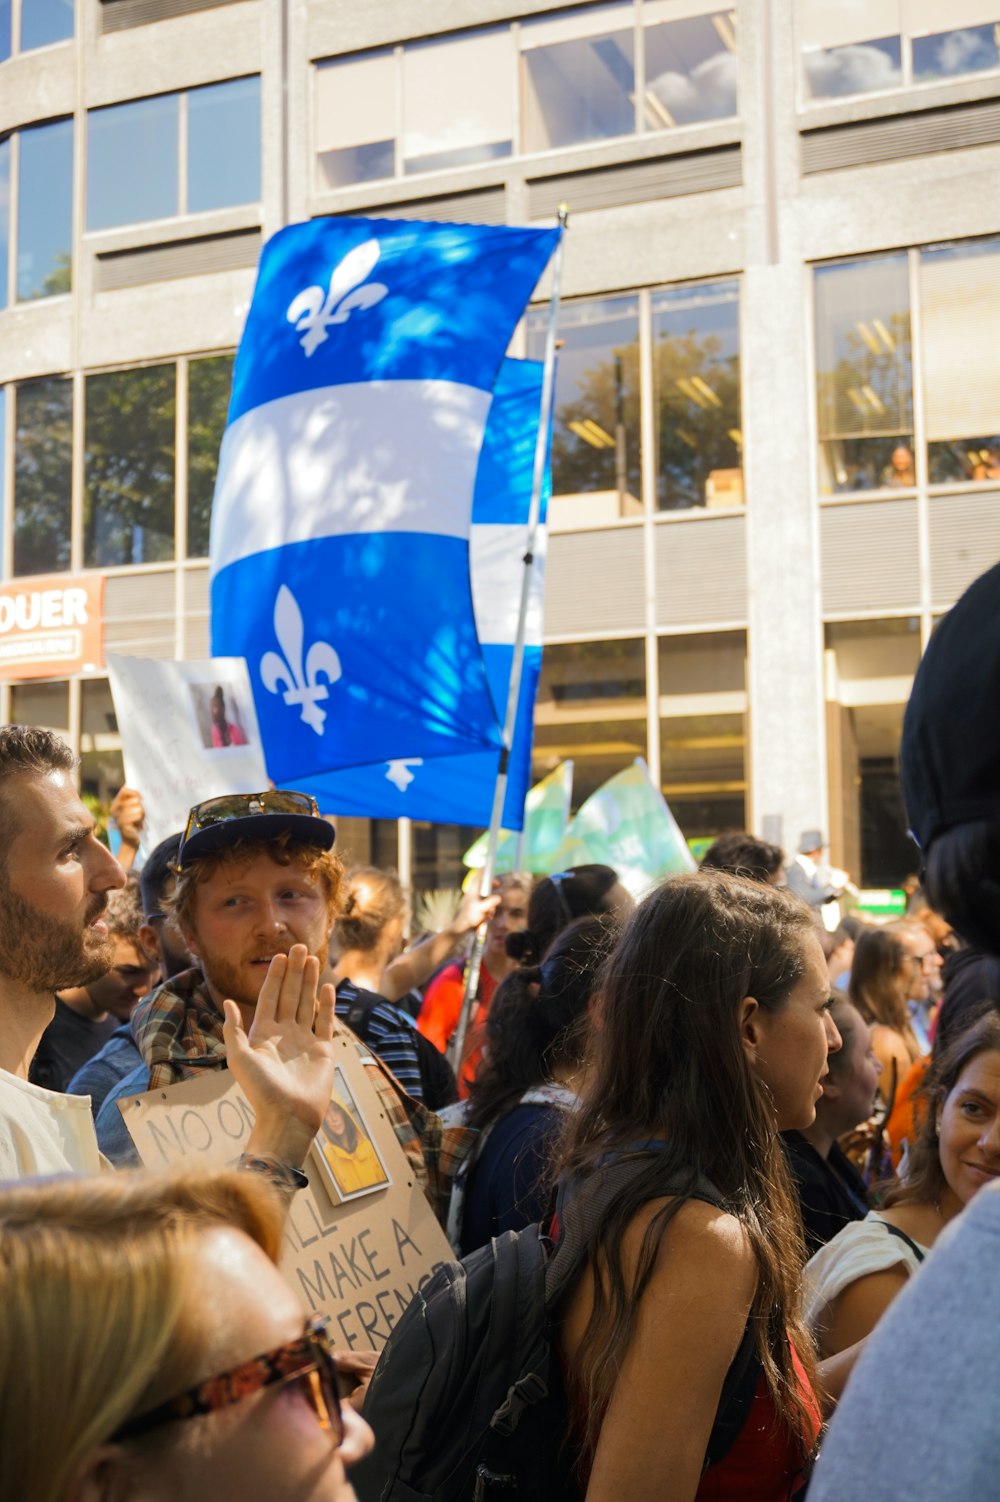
{"points": [[345, 1150], [219, 715]]}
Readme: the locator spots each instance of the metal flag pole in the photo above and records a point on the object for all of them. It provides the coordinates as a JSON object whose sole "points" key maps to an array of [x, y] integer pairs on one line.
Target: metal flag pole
{"points": [[456, 1047]]}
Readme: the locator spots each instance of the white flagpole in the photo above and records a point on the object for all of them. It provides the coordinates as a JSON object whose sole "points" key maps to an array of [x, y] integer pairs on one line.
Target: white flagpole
{"points": [[456, 1047]]}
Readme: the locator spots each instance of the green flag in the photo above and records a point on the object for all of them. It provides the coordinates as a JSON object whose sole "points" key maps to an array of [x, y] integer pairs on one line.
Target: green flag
{"points": [[546, 813], [627, 824]]}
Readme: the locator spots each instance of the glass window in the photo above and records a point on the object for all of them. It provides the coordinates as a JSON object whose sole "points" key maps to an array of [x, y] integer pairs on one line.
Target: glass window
{"points": [[863, 375], [697, 369], [437, 853], [4, 219], [948, 54], [356, 119], [209, 383], [43, 450], [3, 456], [45, 210], [595, 439], [704, 775], [591, 708], [129, 466], [458, 101], [947, 41], [43, 704], [132, 172], [44, 22], [691, 66], [224, 145], [869, 674], [578, 77], [960, 304], [703, 731], [101, 767], [873, 650], [850, 46]]}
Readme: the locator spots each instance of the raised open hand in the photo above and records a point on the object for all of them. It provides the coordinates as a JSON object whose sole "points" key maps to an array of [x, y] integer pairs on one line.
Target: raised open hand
{"points": [[285, 1063]]}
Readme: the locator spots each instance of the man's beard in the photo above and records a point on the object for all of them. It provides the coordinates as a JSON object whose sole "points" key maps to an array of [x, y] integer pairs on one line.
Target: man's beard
{"points": [[230, 982], [50, 954]]}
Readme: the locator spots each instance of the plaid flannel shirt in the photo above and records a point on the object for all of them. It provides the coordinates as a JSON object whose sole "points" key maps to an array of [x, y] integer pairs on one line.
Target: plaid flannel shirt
{"points": [[178, 1031]]}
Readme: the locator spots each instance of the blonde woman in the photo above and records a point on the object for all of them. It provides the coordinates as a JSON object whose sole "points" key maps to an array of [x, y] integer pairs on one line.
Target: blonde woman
{"points": [[151, 1350]]}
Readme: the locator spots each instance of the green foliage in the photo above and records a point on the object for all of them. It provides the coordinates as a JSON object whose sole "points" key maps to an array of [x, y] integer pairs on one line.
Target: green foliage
{"points": [[209, 383], [129, 466], [43, 452], [60, 278], [101, 812]]}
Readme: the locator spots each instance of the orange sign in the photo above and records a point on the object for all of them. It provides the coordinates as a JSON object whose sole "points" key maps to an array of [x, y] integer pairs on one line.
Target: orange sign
{"points": [[51, 626]]}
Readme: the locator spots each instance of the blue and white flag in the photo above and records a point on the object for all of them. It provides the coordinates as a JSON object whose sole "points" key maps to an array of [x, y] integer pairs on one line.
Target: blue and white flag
{"points": [[459, 789], [341, 523]]}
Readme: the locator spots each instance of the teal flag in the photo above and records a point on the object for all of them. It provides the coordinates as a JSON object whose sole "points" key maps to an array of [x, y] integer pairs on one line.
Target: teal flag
{"points": [[626, 824], [546, 815]]}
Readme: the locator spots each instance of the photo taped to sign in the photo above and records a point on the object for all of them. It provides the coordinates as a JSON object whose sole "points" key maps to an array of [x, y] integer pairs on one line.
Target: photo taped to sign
{"points": [[345, 1152], [219, 715]]}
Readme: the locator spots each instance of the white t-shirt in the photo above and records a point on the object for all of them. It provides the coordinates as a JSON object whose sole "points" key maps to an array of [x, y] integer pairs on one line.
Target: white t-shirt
{"points": [[860, 1248], [42, 1132]]}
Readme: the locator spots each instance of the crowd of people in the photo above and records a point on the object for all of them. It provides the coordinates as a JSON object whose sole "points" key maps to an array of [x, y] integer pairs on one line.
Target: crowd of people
{"points": [[782, 1137]]}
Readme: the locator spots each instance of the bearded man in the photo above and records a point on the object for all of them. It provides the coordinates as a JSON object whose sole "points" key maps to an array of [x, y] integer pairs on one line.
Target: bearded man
{"points": [[55, 879], [256, 878]]}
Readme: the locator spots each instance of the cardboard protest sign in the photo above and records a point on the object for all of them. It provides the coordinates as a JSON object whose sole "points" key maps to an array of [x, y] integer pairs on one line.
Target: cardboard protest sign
{"points": [[189, 732], [361, 1239]]}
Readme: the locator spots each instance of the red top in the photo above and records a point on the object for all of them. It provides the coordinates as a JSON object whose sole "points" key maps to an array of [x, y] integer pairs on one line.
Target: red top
{"points": [[764, 1464], [440, 1013]]}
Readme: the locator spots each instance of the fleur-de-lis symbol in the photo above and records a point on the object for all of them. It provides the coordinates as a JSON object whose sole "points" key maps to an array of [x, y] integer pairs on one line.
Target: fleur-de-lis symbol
{"points": [[302, 687], [312, 313], [399, 773]]}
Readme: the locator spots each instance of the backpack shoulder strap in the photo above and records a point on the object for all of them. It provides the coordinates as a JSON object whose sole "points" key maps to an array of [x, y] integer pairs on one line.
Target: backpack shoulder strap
{"points": [[360, 1005]]}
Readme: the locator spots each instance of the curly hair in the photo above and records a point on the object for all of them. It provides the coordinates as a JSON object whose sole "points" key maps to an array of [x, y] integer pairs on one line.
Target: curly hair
{"points": [[319, 865]]}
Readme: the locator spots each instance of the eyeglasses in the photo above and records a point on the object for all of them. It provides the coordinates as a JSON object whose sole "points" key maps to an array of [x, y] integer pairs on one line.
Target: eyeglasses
{"points": [[243, 805], [308, 1360]]}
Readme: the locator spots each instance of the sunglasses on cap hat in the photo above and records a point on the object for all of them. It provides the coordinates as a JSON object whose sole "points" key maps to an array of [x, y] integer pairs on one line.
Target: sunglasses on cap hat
{"points": [[223, 821]]}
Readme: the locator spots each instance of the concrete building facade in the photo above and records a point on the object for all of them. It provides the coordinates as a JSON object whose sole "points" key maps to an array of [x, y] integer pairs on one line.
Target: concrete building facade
{"points": [[777, 444]]}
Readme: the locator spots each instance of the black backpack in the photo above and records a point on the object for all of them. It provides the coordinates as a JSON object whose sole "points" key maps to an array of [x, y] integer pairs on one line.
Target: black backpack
{"points": [[437, 1078], [467, 1400]]}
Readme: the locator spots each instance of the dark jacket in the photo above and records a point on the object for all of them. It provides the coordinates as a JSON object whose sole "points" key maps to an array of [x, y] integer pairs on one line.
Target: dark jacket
{"points": [[831, 1191]]}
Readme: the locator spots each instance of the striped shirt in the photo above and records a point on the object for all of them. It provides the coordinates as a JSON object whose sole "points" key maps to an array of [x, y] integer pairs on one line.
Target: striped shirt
{"points": [[388, 1031]]}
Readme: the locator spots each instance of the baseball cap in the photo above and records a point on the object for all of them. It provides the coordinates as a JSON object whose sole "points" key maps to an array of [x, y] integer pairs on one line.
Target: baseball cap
{"points": [[220, 822]]}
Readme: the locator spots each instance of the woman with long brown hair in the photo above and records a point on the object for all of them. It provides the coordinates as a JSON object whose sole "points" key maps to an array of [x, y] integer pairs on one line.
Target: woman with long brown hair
{"points": [[879, 987], [852, 1281], [713, 1034]]}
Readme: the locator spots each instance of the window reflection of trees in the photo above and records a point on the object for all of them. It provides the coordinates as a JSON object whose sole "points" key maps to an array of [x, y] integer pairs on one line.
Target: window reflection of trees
{"points": [[864, 383], [43, 450], [696, 396], [209, 383], [698, 422], [129, 466], [595, 445]]}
